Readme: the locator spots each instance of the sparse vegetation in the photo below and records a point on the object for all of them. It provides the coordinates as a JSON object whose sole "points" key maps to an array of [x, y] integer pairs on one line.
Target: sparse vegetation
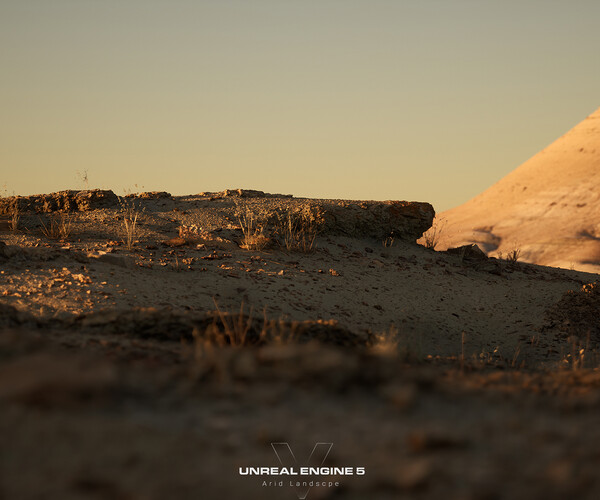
{"points": [[294, 229], [82, 175], [253, 228], [388, 242], [230, 329], [406, 346], [233, 329], [513, 256], [278, 331], [14, 219], [176, 264], [58, 226], [11, 209], [298, 229], [14, 216], [131, 211], [432, 237]]}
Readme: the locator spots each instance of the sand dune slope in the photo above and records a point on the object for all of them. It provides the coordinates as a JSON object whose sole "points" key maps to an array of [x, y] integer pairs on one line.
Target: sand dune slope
{"points": [[548, 207]]}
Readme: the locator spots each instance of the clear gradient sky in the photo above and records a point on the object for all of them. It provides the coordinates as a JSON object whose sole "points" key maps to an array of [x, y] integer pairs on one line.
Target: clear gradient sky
{"points": [[430, 100]]}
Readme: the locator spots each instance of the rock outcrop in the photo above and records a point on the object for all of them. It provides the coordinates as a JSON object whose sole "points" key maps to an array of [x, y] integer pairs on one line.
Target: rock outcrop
{"points": [[242, 193], [403, 220], [151, 195], [68, 201], [377, 219], [356, 219]]}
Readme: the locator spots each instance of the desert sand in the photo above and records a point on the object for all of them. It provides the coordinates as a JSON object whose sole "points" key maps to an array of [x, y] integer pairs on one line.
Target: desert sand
{"points": [[547, 208], [156, 369]]}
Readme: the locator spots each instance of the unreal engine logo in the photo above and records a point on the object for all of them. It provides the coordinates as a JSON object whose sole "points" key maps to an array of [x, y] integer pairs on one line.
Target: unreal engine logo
{"points": [[301, 476]]}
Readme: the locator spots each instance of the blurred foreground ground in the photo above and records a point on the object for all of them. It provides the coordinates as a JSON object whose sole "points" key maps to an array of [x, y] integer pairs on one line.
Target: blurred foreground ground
{"points": [[444, 375]]}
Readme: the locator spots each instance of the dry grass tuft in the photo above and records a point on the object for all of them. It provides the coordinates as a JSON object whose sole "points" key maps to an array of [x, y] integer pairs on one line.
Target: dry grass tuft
{"points": [[513, 256], [298, 229], [231, 329], [14, 216], [406, 347], [58, 227], [294, 229], [131, 213], [242, 329], [224, 350], [11, 209], [254, 229]]}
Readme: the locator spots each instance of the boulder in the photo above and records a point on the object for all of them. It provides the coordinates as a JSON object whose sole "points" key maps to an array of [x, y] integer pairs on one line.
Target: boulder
{"points": [[468, 252]]}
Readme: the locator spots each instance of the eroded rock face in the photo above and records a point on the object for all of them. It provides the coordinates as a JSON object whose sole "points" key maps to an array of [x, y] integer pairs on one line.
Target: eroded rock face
{"points": [[377, 219], [151, 195], [242, 193], [356, 219], [68, 201], [351, 218]]}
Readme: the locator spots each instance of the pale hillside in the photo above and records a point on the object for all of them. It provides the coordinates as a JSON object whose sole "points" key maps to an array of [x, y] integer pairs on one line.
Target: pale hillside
{"points": [[548, 207]]}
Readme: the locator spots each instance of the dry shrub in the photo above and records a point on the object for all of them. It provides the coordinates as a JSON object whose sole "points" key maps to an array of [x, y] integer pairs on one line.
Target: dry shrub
{"points": [[58, 226], [254, 227], [131, 213], [13, 222], [298, 229], [230, 329], [10, 207], [513, 256], [242, 329], [14, 215], [294, 229]]}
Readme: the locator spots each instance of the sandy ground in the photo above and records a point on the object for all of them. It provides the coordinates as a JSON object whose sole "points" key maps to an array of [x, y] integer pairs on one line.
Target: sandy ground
{"points": [[439, 373]]}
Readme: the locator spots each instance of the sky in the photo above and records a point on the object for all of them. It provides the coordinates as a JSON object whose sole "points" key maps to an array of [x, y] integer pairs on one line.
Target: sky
{"points": [[429, 100]]}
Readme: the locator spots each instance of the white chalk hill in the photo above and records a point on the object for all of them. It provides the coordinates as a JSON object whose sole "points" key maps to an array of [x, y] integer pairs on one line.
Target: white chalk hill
{"points": [[549, 207]]}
